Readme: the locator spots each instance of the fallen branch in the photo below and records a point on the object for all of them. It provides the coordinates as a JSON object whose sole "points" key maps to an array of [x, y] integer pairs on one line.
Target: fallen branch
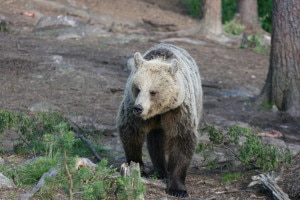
{"points": [[52, 172], [269, 181], [80, 132]]}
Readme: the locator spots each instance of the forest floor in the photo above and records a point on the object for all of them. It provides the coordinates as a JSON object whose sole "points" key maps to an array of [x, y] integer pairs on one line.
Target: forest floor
{"points": [[80, 70]]}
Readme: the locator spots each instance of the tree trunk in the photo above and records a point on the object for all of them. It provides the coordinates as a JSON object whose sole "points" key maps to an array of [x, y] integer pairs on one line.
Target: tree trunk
{"points": [[212, 16], [282, 86], [248, 14]]}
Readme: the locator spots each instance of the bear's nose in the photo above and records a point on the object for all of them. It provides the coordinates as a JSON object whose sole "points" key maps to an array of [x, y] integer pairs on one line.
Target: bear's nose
{"points": [[137, 109]]}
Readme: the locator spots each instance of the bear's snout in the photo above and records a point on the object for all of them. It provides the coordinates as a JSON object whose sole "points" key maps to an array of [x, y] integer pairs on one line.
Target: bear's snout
{"points": [[138, 109]]}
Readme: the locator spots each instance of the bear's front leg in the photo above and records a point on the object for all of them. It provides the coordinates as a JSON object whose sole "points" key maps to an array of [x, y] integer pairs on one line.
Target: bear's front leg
{"points": [[156, 148], [132, 142], [181, 151]]}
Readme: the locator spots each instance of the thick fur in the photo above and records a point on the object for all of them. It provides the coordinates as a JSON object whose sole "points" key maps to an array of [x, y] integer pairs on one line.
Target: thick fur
{"points": [[163, 104]]}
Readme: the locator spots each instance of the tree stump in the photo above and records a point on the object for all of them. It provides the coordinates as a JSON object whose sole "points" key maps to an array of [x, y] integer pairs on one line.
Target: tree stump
{"points": [[133, 171]]}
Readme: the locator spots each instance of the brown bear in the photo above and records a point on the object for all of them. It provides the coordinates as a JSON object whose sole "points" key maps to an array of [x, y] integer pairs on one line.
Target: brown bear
{"points": [[163, 103]]}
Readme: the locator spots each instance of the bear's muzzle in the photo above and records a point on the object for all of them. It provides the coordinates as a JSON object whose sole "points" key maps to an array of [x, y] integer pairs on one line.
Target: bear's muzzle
{"points": [[138, 109]]}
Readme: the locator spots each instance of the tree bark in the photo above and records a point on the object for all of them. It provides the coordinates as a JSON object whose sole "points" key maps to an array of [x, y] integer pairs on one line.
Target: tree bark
{"points": [[248, 14], [212, 16], [282, 86]]}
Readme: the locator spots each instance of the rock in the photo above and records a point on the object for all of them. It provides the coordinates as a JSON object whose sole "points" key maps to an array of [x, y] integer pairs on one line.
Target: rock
{"points": [[62, 8], [84, 162], [69, 36], [6, 182], [241, 92], [2, 161], [294, 148], [274, 141], [43, 107], [185, 40], [57, 22], [51, 173]]}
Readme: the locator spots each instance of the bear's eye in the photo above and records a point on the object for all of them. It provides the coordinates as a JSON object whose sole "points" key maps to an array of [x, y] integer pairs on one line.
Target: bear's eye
{"points": [[136, 90], [153, 93]]}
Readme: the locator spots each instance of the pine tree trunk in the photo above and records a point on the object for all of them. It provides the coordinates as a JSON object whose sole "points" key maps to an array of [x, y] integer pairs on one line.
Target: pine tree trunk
{"points": [[248, 14], [282, 86], [212, 16]]}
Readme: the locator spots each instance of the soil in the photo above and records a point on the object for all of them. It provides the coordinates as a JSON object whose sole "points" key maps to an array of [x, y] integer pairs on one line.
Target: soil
{"points": [[84, 78]]}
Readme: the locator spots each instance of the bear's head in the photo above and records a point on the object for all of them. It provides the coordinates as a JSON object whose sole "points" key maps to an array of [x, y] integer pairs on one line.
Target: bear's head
{"points": [[155, 86]]}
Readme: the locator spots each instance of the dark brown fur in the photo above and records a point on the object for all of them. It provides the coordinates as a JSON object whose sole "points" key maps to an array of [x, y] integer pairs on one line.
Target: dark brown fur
{"points": [[171, 135]]}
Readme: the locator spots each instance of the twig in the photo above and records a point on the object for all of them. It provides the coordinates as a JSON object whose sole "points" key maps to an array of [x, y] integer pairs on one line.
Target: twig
{"points": [[236, 156], [69, 175], [80, 132], [211, 86]]}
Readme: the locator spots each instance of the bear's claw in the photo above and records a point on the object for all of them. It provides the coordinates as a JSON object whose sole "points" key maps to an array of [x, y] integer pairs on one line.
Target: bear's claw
{"points": [[178, 193]]}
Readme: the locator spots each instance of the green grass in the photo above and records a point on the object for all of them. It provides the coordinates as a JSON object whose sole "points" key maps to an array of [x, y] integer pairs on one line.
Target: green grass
{"points": [[49, 136], [229, 177]]}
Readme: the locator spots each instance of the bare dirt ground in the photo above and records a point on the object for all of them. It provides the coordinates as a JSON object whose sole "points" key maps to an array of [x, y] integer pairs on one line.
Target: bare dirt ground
{"points": [[84, 77]]}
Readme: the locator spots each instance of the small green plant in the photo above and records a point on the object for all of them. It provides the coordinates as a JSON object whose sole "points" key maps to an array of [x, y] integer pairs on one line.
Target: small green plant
{"points": [[154, 175], [233, 28], [3, 26], [255, 42], [229, 177], [267, 105], [30, 129], [252, 153], [266, 157], [265, 14], [59, 147]]}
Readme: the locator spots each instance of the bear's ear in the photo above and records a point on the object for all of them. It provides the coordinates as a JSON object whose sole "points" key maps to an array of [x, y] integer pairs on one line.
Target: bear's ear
{"points": [[138, 59], [173, 67]]}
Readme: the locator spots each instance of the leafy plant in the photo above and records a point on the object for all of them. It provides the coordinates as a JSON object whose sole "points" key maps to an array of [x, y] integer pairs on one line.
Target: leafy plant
{"points": [[252, 153], [229, 8], [254, 42], [193, 7], [233, 28], [265, 14]]}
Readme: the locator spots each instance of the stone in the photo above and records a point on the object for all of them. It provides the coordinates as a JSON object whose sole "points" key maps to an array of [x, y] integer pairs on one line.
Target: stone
{"points": [[48, 23], [6, 182], [43, 107], [2, 161]]}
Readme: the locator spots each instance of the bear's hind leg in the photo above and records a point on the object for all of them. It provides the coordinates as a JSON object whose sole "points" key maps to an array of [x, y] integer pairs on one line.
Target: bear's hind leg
{"points": [[155, 144]]}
